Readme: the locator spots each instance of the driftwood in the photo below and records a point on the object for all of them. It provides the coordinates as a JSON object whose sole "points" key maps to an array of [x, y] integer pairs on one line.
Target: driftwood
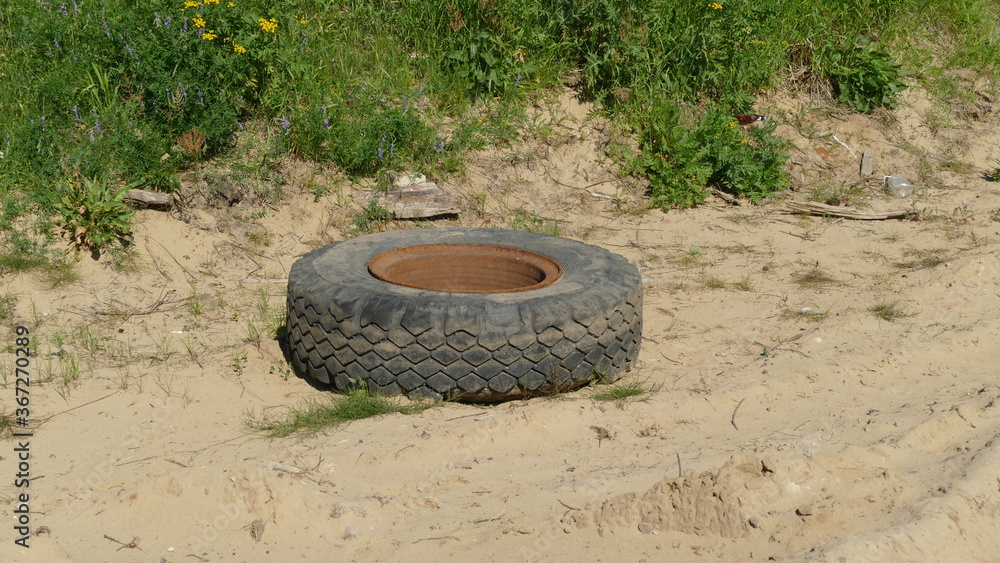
{"points": [[419, 201], [848, 212], [149, 198]]}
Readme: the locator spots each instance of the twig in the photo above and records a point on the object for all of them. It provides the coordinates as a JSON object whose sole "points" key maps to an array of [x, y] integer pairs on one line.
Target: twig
{"points": [[724, 196], [567, 506], [134, 544], [680, 472], [438, 538], [733, 418], [848, 212]]}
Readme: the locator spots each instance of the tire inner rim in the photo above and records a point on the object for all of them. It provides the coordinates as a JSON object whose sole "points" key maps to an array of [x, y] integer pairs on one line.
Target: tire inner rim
{"points": [[465, 268]]}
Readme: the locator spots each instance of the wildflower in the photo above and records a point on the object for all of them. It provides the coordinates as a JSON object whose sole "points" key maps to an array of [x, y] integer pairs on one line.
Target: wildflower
{"points": [[55, 42], [240, 125], [190, 4], [131, 52], [381, 153], [76, 114], [326, 123], [167, 21], [285, 124], [269, 26], [63, 10], [201, 99], [107, 31], [714, 5], [198, 21], [440, 147], [303, 21], [209, 35], [211, 1], [239, 49], [230, 5]]}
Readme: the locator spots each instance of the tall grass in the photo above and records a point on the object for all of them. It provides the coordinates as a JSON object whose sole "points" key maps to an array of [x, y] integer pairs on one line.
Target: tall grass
{"points": [[120, 93]]}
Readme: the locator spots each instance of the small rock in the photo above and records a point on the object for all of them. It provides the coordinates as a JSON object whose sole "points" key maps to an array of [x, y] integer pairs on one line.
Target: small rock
{"points": [[647, 527], [867, 164], [463, 465], [754, 522], [525, 530], [804, 510]]}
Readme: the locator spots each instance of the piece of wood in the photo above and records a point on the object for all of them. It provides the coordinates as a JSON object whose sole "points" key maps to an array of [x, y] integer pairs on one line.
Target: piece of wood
{"points": [[419, 201], [149, 198], [847, 212], [723, 196]]}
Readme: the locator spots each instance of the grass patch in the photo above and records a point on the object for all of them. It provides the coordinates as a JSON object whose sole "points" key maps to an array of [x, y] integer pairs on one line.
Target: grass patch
{"points": [[889, 311], [814, 277], [622, 391], [316, 416], [922, 259]]}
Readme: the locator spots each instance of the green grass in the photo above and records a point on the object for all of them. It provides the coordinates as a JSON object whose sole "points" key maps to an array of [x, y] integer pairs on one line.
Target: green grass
{"points": [[622, 391], [316, 416], [889, 311], [99, 95]]}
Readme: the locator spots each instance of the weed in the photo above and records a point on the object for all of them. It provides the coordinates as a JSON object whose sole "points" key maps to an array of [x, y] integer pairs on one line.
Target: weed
{"points": [[239, 364], [7, 303], [316, 416], [864, 78], [889, 311], [94, 214], [524, 221], [814, 277], [714, 282], [621, 391], [744, 284], [922, 259], [371, 219]]}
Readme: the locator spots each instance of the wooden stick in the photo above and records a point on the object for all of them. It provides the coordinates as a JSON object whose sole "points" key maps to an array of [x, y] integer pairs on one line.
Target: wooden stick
{"points": [[848, 212]]}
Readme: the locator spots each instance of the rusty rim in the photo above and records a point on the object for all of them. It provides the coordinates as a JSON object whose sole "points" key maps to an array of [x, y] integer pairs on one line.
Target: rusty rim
{"points": [[465, 268]]}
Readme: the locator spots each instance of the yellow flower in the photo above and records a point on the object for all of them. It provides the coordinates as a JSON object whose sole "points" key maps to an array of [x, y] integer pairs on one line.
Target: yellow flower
{"points": [[714, 5], [198, 21], [190, 4], [209, 35], [270, 26], [239, 49], [211, 1], [230, 5], [303, 21]]}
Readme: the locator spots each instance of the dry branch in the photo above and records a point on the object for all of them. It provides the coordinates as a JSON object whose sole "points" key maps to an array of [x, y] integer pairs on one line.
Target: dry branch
{"points": [[848, 212]]}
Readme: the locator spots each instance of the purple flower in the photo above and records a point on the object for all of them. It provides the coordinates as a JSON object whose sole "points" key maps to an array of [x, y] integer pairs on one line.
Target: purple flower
{"points": [[76, 9], [392, 149], [43, 123], [130, 51], [76, 114], [167, 21], [107, 31], [184, 27], [240, 125], [55, 42], [440, 147], [285, 124], [183, 91], [63, 10], [517, 81], [201, 99], [323, 108], [326, 122]]}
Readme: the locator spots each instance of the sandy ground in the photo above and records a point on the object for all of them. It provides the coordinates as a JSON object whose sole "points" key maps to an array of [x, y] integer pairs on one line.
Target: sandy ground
{"points": [[786, 421]]}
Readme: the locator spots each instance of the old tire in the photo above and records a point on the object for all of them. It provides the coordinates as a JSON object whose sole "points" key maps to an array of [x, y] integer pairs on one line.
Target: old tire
{"points": [[347, 328]]}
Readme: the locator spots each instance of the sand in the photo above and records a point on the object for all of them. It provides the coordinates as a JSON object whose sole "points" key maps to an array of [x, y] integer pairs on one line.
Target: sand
{"points": [[785, 421]]}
